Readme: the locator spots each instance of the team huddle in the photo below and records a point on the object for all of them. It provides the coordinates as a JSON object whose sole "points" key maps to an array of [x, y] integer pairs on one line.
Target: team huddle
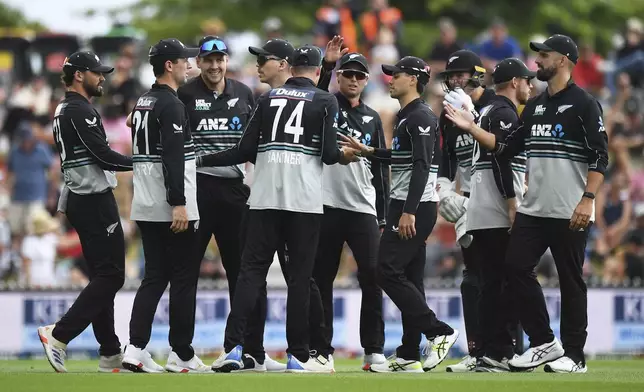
{"points": [[324, 176]]}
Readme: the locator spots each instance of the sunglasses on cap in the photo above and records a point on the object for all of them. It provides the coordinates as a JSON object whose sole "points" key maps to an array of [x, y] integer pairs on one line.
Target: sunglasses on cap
{"points": [[261, 59], [359, 75], [213, 44]]}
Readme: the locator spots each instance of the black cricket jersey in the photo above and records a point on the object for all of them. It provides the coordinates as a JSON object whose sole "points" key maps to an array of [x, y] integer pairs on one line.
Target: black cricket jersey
{"points": [[290, 135], [359, 186], [164, 157], [87, 161], [564, 138], [217, 122], [495, 179], [414, 152], [457, 146]]}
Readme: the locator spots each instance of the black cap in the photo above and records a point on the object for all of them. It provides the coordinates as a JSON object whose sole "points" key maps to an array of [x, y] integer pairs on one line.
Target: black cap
{"points": [[558, 43], [356, 58], [85, 61], [212, 44], [511, 68], [279, 48], [410, 65], [172, 48], [463, 61], [307, 55]]}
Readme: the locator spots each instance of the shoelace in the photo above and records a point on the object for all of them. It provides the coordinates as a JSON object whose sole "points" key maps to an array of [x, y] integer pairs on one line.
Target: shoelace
{"points": [[427, 349]]}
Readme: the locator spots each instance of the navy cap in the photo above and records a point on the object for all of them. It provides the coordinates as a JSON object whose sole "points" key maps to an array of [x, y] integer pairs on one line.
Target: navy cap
{"points": [[172, 48], [511, 68], [85, 61], [355, 58], [410, 65], [279, 48], [559, 43], [212, 44], [307, 55]]}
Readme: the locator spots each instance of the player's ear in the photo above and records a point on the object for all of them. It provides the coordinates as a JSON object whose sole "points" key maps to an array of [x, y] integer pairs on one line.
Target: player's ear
{"points": [[318, 71], [78, 76]]}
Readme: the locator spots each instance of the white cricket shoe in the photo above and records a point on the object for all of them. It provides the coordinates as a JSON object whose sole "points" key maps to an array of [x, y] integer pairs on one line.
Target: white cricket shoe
{"points": [[54, 350], [372, 359], [250, 364], [565, 365], [537, 356], [140, 361], [436, 349], [229, 361], [317, 364], [273, 365], [467, 364], [394, 364], [112, 364], [194, 365], [491, 365]]}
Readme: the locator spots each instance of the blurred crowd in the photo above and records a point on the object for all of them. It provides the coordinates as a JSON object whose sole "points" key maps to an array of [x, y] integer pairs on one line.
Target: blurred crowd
{"points": [[39, 249]]}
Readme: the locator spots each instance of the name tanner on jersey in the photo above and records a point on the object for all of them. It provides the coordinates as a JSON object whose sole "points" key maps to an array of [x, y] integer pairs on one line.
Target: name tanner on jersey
{"points": [[285, 157]]}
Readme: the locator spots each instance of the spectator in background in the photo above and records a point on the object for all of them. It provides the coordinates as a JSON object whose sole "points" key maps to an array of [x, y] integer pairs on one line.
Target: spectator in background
{"points": [[29, 161], [614, 212], [6, 267], [630, 58], [499, 46], [445, 46], [272, 28], [121, 92], [38, 251], [634, 254], [335, 18], [380, 16], [587, 73], [625, 126]]}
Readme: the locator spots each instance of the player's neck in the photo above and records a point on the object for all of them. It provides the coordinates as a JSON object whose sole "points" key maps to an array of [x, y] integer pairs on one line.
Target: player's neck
{"points": [[216, 87], [80, 90], [168, 81], [476, 94], [353, 101], [407, 99], [558, 82], [509, 95]]}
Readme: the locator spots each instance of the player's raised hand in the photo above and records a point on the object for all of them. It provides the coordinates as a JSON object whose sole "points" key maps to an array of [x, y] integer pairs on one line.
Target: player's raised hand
{"points": [[334, 49], [463, 119]]}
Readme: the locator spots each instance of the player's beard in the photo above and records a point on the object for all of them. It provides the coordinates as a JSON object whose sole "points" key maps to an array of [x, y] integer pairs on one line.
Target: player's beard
{"points": [[181, 78], [545, 74], [93, 91]]}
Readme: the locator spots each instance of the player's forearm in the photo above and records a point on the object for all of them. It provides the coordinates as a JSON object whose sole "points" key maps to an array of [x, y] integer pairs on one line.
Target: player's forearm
{"points": [[485, 139], [595, 180], [229, 157], [417, 184]]}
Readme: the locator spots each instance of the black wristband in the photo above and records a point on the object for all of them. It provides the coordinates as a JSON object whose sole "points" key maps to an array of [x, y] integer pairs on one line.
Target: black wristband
{"points": [[589, 195]]}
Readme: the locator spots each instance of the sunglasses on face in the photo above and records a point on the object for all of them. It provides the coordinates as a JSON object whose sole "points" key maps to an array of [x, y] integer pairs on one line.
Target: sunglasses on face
{"points": [[213, 44], [261, 59], [350, 74]]}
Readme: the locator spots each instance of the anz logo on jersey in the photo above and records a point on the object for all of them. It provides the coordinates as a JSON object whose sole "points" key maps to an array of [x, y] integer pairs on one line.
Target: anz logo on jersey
{"points": [[219, 124], [546, 130], [464, 140]]}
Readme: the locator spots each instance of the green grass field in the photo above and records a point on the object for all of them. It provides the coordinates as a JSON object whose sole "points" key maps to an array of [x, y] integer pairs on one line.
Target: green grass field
{"points": [[37, 376]]}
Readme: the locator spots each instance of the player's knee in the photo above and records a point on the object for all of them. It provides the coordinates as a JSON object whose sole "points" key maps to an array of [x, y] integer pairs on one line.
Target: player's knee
{"points": [[470, 283], [383, 275]]}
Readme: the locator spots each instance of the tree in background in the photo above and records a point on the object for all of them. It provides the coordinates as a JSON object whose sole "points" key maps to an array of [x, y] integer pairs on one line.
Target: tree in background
{"points": [[595, 20]]}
